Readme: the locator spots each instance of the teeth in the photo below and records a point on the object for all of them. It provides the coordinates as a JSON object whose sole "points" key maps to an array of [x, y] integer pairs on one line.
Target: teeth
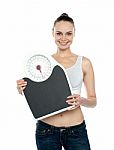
{"points": [[63, 43]]}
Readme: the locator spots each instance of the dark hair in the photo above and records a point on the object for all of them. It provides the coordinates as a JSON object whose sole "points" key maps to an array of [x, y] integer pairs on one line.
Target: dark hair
{"points": [[64, 17]]}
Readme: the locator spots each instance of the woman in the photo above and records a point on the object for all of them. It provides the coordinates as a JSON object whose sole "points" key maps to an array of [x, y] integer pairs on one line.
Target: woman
{"points": [[67, 129]]}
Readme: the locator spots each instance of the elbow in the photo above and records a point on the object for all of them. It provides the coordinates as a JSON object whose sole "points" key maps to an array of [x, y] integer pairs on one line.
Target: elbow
{"points": [[94, 103]]}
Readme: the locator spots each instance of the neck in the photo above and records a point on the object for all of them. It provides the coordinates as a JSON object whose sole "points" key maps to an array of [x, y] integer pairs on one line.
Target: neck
{"points": [[63, 53]]}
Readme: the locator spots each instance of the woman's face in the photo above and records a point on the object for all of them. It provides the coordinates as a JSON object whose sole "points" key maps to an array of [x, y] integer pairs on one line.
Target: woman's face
{"points": [[63, 33]]}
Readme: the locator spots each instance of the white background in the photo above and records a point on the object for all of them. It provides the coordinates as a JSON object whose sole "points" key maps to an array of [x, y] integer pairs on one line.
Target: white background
{"points": [[25, 28]]}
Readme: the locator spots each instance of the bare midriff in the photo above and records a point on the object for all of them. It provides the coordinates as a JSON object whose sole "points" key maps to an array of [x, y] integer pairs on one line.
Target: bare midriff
{"points": [[66, 118]]}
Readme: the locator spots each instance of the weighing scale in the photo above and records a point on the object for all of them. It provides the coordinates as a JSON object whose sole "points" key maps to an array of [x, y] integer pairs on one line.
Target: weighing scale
{"points": [[47, 86]]}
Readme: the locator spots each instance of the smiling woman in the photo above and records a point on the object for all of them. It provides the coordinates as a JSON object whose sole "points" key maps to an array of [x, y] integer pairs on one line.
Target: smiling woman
{"points": [[67, 129], [63, 31]]}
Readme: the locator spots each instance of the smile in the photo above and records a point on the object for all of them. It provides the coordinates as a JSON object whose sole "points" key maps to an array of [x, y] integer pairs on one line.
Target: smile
{"points": [[63, 43]]}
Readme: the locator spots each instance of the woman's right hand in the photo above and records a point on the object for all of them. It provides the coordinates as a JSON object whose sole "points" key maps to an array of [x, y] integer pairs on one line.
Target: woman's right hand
{"points": [[21, 85]]}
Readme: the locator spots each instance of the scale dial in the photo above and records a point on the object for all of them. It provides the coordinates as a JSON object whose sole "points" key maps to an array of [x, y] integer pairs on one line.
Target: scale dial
{"points": [[38, 68]]}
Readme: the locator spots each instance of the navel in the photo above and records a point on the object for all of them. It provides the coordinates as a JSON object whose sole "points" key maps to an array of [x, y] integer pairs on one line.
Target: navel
{"points": [[61, 115]]}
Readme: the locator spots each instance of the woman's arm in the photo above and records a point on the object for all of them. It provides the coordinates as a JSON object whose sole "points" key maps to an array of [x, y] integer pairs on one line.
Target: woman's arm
{"points": [[89, 82]]}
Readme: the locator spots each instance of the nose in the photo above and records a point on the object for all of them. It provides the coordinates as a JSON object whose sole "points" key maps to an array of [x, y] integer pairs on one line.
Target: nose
{"points": [[63, 37]]}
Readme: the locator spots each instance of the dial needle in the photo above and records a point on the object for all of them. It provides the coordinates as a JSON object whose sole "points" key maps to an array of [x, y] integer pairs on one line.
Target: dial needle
{"points": [[38, 67]]}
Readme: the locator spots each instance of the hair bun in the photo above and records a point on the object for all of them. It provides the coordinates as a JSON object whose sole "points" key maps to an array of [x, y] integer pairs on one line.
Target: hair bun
{"points": [[64, 15]]}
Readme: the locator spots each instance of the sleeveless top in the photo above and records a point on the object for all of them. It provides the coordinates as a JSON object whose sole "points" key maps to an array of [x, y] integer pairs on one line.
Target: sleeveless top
{"points": [[75, 75]]}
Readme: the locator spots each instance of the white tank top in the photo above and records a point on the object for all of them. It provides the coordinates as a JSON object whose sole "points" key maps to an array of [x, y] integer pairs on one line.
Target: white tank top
{"points": [[75, 75]]}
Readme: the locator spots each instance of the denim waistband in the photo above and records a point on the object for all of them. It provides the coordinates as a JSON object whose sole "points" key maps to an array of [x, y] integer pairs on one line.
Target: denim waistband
{"points": [[41, 123]]}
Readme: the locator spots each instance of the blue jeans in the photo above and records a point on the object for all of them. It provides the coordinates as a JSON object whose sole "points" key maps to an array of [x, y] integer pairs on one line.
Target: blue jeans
{"points": [[49, 137]]}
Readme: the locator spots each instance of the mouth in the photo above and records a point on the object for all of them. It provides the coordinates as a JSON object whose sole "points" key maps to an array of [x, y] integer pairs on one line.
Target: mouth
{"points": [[63, 43]]}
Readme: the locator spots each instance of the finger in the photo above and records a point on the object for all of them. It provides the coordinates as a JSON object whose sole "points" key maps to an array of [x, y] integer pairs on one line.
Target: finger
{"points": [[19, 81], [20, 90], [71, 100], [23, 88], [72, 108], [73, 103], [73, 96], [22, 83]]}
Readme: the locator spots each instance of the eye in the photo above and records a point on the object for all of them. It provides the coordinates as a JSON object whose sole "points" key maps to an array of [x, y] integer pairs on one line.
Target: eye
{"points": [[58, 33], [69, 33]]}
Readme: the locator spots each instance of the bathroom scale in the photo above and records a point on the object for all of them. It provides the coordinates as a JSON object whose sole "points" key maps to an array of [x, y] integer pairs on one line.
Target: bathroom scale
{"points": [[47, 86]]}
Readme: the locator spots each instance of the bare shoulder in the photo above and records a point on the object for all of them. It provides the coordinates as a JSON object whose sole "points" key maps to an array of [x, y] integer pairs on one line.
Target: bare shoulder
{"points": [[86, 61], [86, 64]]}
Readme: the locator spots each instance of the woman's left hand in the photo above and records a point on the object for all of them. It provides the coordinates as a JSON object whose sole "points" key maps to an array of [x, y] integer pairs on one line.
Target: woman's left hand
{"points": [[74, 100]]}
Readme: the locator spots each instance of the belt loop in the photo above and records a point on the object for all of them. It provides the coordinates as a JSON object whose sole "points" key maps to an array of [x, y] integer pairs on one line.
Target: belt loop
{"points": [[68, 129], [52, 128]]}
